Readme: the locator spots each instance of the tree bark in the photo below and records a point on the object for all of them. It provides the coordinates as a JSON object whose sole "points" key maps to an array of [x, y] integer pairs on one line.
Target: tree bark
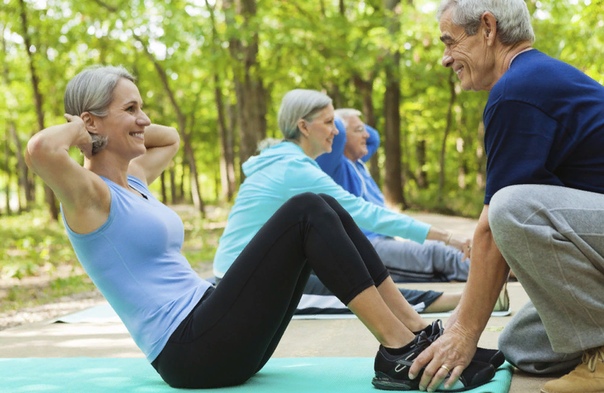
{"points": [[393, 179], [227, 161], [51, 201], [421, 177], [24, 188], [365, 89], [443, 147], [249, 86], [182, 127], [227, 156]]}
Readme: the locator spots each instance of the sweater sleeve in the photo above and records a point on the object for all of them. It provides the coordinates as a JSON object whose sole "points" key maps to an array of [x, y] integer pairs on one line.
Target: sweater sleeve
{"points": [[331, 162], [306, 176], [373, 142]]}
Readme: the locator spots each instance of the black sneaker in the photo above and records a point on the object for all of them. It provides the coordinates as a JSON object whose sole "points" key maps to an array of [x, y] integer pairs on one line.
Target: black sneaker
{"points": [[476, 374], [392, 372], [491, 356]]}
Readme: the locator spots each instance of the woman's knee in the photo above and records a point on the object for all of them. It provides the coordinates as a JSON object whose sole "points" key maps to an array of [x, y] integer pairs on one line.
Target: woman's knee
{"points": [[310, 206]]}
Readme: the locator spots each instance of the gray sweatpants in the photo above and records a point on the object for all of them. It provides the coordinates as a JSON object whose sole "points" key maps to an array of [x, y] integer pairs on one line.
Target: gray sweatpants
{"points": [[553, 239], [408, 261]]}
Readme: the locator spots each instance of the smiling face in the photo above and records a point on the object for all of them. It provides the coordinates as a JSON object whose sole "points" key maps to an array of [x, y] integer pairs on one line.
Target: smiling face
{"points": [[356, 138], [318, 133], [470, 56], [125, 122]]}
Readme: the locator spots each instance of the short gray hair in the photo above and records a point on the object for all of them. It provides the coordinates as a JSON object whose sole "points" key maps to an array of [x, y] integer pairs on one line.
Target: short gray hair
{"points": [[299, 104], [346, 113], [513, 18], [92, 91]]}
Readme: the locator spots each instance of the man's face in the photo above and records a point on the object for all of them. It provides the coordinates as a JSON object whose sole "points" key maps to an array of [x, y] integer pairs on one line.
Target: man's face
{"points": [[356, 139], [469, 56]]}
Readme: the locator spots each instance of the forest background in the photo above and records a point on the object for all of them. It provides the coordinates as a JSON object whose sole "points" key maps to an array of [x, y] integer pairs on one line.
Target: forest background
{"points": [[217, 69]]}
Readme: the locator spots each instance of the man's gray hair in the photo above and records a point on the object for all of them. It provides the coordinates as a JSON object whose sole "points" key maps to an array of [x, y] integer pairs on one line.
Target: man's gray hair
{"points": [[513, 18], [299, 104], [346, 113]]}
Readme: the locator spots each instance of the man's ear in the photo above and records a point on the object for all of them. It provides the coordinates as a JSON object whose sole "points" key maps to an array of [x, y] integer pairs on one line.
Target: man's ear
{"points": [[488, 24]]}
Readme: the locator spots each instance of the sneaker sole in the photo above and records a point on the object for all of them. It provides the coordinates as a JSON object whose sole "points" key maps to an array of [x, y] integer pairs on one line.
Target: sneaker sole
{"points": [[384, 382]]}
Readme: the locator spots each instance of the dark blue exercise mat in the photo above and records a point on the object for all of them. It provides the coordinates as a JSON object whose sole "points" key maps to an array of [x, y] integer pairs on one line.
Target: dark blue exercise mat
{"points": [[135, 375]]}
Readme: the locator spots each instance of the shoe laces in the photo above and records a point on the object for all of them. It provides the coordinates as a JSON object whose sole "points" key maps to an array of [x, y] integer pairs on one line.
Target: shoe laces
{"points": [[592, 356], [437, 330]]}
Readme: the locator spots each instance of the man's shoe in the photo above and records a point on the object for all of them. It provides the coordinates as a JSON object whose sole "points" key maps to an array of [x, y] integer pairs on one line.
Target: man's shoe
{"points": [[392, 372], [587, 377], [491, 356]]}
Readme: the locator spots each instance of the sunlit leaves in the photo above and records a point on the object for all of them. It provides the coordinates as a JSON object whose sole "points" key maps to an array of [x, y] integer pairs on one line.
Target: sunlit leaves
{"points": [[318, 44]]}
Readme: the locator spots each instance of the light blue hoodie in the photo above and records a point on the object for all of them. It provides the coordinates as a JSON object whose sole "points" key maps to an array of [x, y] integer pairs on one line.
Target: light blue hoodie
{"points": [[281, 172]]}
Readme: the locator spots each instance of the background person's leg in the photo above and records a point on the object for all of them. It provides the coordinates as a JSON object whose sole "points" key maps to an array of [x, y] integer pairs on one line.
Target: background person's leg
{"points": [[408, 261], [317, 299]]}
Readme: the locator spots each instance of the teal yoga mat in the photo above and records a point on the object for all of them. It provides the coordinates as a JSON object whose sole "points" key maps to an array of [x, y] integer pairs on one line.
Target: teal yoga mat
{"points": [[117, 375]]}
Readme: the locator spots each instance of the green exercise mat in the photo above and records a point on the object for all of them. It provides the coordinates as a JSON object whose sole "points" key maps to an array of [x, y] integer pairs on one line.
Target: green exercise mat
{"points": [[135, 375]]}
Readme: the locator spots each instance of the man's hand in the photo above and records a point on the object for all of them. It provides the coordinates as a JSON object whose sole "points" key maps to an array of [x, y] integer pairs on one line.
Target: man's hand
{"points": [[451, 352]]}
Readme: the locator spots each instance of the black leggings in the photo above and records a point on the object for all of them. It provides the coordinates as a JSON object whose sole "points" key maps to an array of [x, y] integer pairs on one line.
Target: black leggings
{"points": [[234, 330]]}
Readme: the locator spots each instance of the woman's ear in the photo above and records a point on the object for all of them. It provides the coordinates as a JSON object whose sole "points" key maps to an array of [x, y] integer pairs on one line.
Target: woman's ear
{"points": [[303, 127], [89, 121]]}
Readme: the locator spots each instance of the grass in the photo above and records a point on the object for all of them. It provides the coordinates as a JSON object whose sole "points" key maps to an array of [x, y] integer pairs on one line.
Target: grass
{"points": [[39, 266]]}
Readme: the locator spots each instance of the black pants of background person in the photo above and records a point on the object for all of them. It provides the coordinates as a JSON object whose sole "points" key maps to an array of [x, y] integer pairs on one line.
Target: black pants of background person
{"points": [[234, 330]]}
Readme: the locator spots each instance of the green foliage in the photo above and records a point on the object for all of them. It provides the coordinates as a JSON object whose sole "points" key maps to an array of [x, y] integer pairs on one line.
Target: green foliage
{"points": [[32, 243], [21, 296], [324, 45]]}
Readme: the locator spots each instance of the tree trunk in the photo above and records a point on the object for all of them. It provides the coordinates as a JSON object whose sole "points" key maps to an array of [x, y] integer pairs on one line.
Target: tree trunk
{"points": [[38, 101], [227, 159], [6, 167], [443, 148], [249, 86], [365, 89], [421, 177], [25, 187], [182, 127], [393, 179]]}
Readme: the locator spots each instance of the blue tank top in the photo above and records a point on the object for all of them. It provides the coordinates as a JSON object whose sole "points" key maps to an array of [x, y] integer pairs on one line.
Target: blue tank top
{"points": [[135, 260]]}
